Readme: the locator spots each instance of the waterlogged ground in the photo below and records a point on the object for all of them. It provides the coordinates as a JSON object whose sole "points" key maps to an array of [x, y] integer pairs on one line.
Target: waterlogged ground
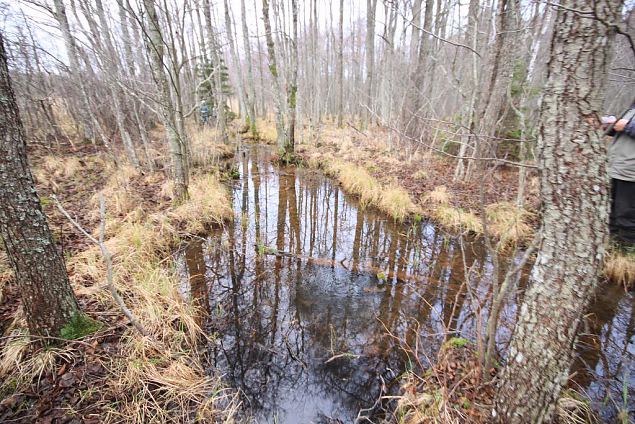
{"points": [[313, 298]]}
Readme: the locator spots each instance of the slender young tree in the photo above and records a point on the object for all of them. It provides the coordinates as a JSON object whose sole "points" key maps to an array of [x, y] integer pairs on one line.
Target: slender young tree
{"points": [[251, 90], [371, 6], [73, 57], [273, 68], [289, 145], [155, 44], [574, 193], [217, 54], [47, 297], [340, 68]]}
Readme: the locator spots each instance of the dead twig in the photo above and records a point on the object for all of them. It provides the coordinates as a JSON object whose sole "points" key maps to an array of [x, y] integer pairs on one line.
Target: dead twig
{"points": [[107, 259]]}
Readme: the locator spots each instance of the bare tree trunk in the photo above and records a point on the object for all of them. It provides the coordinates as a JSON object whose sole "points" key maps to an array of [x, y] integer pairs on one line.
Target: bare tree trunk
{"points": [[71, 48], [289, 146], [496, 86], [340, 69], [574, 193], [111, 65], [242, 93], [371, 6], [251, 90], [414, 35], [47, 297], [217, 54], [471, 40], [273, 68], [155, 45], [411, 117]]}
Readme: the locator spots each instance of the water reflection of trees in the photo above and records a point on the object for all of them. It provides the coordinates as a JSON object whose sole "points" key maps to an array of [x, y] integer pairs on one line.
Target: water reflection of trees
{"points": [[281, 317]]}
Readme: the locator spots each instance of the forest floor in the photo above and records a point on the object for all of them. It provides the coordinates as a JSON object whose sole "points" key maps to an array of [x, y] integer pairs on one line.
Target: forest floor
{"points": [[115, 374]]}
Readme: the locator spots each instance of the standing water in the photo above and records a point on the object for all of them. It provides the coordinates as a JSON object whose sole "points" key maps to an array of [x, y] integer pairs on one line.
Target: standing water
{"points": [[312, 298]]}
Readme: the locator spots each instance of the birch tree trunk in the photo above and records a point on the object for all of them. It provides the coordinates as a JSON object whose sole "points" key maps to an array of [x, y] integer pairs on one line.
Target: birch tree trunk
{"points": [[413, 126], [216, 55], [494, 92], [273, 68], [340, 69], [574, 192], [289, 146], [251, 90], [71, 48], [112, 66], [371, 5], [155, 45], [242, 92], [47, 297]]}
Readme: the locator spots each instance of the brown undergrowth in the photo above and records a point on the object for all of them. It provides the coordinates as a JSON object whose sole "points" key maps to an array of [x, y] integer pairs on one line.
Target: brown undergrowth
{"points": [[619, 267], [405, 181], [455, 390], [115, 374]]}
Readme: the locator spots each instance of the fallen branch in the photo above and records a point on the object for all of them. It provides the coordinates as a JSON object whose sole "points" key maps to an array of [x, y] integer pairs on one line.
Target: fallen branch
{"points": [[107, 258]]}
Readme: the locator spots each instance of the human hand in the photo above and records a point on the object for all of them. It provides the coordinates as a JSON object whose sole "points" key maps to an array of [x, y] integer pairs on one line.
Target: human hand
{"points": [[620, 125]]}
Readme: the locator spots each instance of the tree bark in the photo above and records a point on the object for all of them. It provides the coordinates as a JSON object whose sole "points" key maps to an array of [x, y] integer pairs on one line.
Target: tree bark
{"points": [[289, 146], [251, 90], [371, 6], [273, 68], [574, 192], [340, 69], [217, 54], [155, 45], [47, 297], [71, 48]]}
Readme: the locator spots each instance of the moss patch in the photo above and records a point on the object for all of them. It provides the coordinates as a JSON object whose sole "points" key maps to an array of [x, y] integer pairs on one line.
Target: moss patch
{"points": [[80, 325]]}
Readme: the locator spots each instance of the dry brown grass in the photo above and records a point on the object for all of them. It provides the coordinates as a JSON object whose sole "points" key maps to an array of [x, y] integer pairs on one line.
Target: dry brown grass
{"points": [[619, 267], [457, 219], [509, 223], [266, 131], [438, 196], [356, 180], [396, 202], [158, 378], [209, 203], [205, 145]]}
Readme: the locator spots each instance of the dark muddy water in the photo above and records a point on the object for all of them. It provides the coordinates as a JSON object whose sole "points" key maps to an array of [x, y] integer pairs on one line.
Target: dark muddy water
{"points": [[308, 295]]}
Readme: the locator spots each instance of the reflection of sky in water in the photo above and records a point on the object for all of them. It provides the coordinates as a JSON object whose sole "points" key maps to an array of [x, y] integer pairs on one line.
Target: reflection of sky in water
{"points": [[283, 317]]}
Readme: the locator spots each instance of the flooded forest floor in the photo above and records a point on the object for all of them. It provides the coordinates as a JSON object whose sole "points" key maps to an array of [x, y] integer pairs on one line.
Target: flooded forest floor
{"points": [[279, 287]]}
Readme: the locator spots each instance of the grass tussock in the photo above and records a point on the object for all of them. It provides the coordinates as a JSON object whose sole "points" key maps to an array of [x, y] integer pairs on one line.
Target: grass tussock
{"points": [[509, 223], [438, 196], [453, 391], [457, 219], [209, 203], [438, 205], [54, 169], [62, 166], [265, 131], [162, 371], [619, 267], [206, 147], [356, 180], [396, 202], [572, 408]]}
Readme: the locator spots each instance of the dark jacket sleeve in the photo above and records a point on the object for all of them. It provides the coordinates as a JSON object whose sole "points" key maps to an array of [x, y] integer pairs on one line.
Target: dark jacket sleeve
{"points": [[630, 128]]}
